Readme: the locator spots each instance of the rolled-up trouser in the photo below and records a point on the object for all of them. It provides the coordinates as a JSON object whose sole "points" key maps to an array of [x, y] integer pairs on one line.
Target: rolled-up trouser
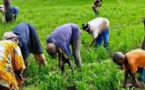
{"points": [[105, 36], [76, 51], [141, 71]]}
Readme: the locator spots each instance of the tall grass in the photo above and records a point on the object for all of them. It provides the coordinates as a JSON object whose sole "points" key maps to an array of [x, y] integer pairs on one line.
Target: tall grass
{"points": [[98, 71]]}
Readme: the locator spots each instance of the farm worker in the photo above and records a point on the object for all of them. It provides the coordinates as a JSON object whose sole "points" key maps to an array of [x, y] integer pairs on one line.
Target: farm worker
{"points": [[28, 42], [59, 42], [99, 29], [95, 5], [11, 64], [9, 13], [133, 62], [15, 11]]}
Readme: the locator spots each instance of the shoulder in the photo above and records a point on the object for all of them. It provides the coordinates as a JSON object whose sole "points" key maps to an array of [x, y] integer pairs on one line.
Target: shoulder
{"points": [[135, 52], [104, 19], [134, 55], [74, 25], [94, 21]]}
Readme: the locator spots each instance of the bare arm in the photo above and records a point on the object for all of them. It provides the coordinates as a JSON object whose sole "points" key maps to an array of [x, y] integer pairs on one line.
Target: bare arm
{"points": [[125, 79], [61, 63], [93, 40]]}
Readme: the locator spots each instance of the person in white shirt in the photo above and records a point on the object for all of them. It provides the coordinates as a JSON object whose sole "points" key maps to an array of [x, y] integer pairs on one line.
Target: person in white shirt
{"points": [[99, 29]]}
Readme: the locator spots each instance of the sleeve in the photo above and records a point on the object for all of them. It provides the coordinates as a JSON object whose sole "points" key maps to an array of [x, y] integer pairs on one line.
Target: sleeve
{"points": [[133, 67], [25, 51], [131, 64], [18, 62]]}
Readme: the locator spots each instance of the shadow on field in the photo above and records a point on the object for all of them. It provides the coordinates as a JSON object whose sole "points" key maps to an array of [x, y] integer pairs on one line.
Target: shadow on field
{"points": [[71, 88]]}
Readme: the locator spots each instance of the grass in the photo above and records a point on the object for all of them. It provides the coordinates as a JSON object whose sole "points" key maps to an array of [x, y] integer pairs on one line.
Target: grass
{"points": [[126, 33]]}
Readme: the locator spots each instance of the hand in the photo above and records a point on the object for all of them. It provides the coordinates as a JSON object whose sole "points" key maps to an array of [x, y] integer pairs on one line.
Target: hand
{"points": [[40, 58]]}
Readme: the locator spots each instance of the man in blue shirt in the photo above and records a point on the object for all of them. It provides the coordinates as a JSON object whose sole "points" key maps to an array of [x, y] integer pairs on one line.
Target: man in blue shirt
{"points": [[59, 41], [28, 42]]}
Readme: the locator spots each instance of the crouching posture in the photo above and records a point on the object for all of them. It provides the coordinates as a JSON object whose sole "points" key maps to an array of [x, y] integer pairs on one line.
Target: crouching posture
{"points": [[28, 42], [11, 65], [59, 41], [9, 13], [99, 29], [133, 62], [95, 5]]}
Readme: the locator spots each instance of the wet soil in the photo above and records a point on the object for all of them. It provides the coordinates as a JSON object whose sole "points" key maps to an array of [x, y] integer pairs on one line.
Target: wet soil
{"points": [[141, 87]]}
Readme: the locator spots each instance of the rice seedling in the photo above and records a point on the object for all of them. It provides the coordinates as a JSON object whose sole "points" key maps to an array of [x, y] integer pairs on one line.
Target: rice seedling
{"points": [[98, 71]]}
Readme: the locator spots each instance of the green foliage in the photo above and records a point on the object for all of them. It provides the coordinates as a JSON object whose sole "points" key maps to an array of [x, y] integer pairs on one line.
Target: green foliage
{"points": [[94, 76], [98, 73]]}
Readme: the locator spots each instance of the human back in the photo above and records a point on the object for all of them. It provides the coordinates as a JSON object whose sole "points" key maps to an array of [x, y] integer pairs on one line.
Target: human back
{"points": [[98, 25], [136, 59], [64, 34], [11, 61]]}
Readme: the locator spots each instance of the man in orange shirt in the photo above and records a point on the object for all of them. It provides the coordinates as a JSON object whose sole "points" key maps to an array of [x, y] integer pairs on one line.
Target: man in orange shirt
{"points": [[11, 64], [133, 61]]}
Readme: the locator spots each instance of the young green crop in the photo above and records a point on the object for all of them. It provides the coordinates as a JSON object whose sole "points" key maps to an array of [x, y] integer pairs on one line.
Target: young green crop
{"points": [[97, 73]]}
